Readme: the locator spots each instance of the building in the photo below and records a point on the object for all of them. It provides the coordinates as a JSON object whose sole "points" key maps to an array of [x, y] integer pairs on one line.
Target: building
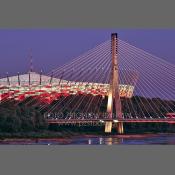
{"points": [[48, 88]]}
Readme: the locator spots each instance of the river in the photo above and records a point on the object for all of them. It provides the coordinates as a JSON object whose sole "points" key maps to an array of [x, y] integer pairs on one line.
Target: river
{"points": [[137, 139]]}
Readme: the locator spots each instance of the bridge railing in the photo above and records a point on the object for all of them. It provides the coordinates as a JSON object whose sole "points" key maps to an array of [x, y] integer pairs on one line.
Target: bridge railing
{"points": [[96, 116]]}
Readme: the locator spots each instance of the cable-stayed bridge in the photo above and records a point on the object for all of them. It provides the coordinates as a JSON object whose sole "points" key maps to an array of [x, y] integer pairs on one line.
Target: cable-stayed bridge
{"points": [[111, 84]]}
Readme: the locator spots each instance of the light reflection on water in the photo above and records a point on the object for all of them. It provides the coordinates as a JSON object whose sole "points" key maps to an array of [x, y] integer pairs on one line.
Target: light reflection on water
{"points": [[126, 140], [144, 139]]}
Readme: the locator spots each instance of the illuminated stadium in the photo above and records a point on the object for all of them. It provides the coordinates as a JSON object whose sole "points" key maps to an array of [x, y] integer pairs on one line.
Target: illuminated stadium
{"points": [[48, 88]]}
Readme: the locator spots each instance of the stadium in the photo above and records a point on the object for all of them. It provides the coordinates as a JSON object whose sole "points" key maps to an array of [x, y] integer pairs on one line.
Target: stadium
{"points": [[46, 88]]}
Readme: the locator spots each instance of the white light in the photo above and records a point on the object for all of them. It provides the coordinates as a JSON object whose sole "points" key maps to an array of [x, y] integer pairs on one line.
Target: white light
{"points": [[101, 140], [89, 141], [101, 121], [115, 121]]}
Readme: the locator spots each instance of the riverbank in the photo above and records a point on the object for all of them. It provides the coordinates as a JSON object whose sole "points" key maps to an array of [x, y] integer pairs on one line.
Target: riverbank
{"points": [[70, 134]]}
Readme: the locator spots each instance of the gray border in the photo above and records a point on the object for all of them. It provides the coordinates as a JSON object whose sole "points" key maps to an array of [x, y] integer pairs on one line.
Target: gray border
{"points": [[86, 159], [87, 14]]}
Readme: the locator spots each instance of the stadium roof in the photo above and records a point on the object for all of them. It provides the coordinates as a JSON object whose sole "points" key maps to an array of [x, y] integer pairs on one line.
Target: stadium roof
{"points": [[34, 84]]}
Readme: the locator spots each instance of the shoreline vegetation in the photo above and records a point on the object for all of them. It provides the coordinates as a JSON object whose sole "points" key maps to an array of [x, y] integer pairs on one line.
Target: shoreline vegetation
{"points": [[61, 132]]}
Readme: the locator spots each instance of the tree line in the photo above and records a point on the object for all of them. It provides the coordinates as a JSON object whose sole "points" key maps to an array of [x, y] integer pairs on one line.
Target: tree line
{"points": [[20, 118]]}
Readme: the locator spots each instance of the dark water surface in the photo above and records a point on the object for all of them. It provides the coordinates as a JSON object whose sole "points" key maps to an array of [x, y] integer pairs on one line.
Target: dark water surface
{"points": [[138, 139]]}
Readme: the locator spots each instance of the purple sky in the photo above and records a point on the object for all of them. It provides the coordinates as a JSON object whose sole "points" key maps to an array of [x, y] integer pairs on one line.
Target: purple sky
{"points": [[53, 47]]}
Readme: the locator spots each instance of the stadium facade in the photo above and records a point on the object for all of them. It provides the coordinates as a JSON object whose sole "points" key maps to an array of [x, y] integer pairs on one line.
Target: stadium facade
{"points": [[47, 88]]}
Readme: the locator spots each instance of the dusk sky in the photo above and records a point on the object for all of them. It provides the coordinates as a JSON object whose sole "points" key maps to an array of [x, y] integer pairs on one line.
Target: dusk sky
{"points": [[54, 47]]}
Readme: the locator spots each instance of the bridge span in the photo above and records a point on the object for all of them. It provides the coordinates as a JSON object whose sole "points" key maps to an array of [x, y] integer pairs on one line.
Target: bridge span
{"points": [[78, 121]]}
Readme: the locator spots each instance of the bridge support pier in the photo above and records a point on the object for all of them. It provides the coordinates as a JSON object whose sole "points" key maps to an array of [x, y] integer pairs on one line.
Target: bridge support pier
{"points": [[108, 127], [120, 128]]}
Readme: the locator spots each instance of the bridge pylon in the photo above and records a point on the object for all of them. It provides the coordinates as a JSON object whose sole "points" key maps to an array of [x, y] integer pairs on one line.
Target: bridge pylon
{"points": [[114, 91]]}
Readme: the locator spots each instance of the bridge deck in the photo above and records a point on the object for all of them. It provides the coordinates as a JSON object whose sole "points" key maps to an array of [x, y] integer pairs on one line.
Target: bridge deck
{"points": [[64, 121]]}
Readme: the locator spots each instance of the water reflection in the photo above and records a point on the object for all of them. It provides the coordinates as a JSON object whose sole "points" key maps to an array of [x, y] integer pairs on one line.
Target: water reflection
{"points": [[98, 140], [89, 142], [113, 141], [108, 141]]}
